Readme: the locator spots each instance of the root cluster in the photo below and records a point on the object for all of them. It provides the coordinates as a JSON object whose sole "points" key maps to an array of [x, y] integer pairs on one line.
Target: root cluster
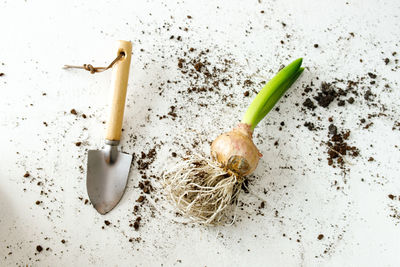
{"points": [[202, 190]]}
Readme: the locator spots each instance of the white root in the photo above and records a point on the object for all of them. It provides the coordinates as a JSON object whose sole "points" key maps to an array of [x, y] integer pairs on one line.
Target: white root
{"points": [[202, 190]]}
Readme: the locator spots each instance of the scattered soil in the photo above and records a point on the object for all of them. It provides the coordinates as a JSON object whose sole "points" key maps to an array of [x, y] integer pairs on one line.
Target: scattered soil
{"points": [[326, 95], [140, 199], [136, 224], [340, 91], [172, 112], [338, 147], [394, 207], [368, 95], [335, 96], [198, 66], [208, 79], [310, 126], [308, 103], [146, 159]]}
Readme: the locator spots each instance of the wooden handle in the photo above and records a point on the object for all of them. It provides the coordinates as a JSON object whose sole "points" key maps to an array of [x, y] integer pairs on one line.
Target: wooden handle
{"points": [[119, 85]]}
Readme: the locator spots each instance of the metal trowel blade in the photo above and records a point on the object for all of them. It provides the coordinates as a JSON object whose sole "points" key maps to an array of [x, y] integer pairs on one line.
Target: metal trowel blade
{"points": [[106, 181]]}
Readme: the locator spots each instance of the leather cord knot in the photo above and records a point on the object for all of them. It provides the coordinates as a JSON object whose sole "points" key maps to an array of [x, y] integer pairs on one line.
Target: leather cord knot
{"points": [[93, 70], [90, 68]]}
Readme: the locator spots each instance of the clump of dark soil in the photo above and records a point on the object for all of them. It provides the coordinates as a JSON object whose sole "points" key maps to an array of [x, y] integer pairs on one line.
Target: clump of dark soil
{"points": [[136, 224], [338, 147], [310, 126], [368, 95], [326, 95], [172, 112], [308, 103], [146, 187], [140, 199]]}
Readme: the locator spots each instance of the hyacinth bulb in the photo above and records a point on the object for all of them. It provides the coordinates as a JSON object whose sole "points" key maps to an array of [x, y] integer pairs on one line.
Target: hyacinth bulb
{"points": [[236, 151]]}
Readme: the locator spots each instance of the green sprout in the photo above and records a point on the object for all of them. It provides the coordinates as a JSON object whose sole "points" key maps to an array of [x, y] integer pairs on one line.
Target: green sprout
{"points": [[271, 93]]}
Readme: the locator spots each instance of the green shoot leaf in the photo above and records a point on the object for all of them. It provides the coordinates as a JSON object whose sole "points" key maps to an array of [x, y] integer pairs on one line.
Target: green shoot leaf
{"points": [[266, 99]]}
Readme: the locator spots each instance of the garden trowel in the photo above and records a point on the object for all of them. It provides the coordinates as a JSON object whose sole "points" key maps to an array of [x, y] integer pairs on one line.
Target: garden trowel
{"points": [[108, 169]]}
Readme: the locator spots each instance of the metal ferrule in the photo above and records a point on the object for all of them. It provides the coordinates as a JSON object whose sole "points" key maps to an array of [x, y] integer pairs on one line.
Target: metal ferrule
{"points": [[111, 151], [112, 142]]}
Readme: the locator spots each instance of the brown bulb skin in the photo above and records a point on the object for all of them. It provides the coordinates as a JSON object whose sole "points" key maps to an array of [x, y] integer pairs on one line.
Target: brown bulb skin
{"points": [[236, 151]]}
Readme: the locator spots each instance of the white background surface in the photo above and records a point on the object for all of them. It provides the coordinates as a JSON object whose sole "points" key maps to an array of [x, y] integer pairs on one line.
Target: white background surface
{"points": [[38, 37]]}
